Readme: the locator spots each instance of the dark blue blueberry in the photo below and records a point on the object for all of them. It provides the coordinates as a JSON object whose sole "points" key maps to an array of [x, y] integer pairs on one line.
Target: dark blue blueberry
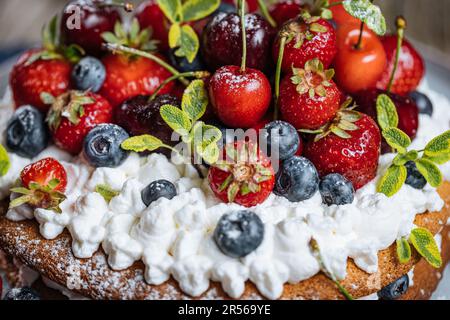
{"points": [[158, 189], [22, 294], [225, 7], [88, 74], [283, 137], [183, 65], [423, 102], [333, 23], [239, 233], [27, 134], [415, 179], [297, 180], [395, 289], [336, 189], [102, 146]]}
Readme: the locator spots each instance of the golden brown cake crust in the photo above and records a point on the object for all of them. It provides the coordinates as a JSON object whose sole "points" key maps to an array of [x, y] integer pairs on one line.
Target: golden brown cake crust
{"points": [[93, 278]]}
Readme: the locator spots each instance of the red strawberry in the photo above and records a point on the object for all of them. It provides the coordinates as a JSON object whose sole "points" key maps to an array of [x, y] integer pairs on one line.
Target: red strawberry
{"points": [[307, 38], [353, 154], [150, 14], [127, 75], [309, 99], [43, 185], [73, 115], [410, 70], [285, 10], [245, 176]]}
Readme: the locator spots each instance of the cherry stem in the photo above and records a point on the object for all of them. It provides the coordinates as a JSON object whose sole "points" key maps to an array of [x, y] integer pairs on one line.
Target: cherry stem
{"points": [[244, 35], [278, 75], [191, 74], [266, 14], [120, 48], [401, 26], [361, 31], [127, 6]]}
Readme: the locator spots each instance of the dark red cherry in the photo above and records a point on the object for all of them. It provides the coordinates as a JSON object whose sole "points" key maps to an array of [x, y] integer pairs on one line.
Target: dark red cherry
{"points": [[284, 10], [149, 14], [222, 41]]}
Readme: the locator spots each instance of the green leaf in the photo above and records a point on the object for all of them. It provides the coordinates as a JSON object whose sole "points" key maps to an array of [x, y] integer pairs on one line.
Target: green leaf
{"points": [[430, 171], [426, 246], [386, 112], [142, 143], [392, 181], [438, 149], [403, 250], [177, 119], [401, 159], [106, 192], [195, 100], [367, 12], [5, 164], [174, 35], [198, 9], [47, 98], [188, 44], [397, 139], [210, 154], [172, 9]]}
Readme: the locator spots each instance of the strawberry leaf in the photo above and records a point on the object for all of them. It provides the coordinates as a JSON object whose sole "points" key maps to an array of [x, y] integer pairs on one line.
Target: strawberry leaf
{"points": [[177, 119], [172, 9], [430, 171], [106, 192], [438, 149], [403, 250], [195, 100], [198, 9], [426, 246], [5, 163], [386, 112], [142, 143], [368, 13], [392, 181], [397, 139]]}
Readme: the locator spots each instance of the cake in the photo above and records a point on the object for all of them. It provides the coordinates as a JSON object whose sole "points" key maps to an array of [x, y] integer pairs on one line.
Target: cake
{"points": [[99, 202]]}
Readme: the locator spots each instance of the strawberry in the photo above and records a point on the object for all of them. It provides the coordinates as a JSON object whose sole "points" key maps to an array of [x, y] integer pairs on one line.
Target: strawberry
{"points": [[307, 38], [245, 176], [129, 75], [349, 148], [43, 70], [410, 70], [43, 185], [73, 115], [309, 98]]}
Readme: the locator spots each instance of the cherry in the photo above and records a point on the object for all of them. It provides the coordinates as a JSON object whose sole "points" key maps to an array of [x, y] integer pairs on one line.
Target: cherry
{"points": [[340, 16], [358, 68], [149, 14], [95, 18], [222, 41], [285, 10], [252, 4]]}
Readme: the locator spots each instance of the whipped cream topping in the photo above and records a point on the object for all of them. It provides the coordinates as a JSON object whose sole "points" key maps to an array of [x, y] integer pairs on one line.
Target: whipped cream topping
{"points": [[174, 237]]}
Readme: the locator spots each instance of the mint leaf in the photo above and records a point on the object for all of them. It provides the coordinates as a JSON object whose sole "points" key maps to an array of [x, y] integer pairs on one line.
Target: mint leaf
{"points": [[142, 143], [171, 9], [403, 250], [367, 12], [198, 9], [188, 43], [397, 139], [402, 158], [426, 246], [5, 163], [106, 192], [438, 149], [430, 171], [195, 100], [177, 119], [174, 35], [386, 112], [392, 181]]}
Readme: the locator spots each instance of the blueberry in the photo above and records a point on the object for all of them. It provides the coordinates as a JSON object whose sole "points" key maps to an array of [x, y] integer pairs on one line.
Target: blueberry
{"points": [[158, 189], [22, 294], [183, 65], [297, 179], [27, 134], [414, 178], [239, 233], [102, 146], [225, 7], [395, 289], [88, 74], [423, 102], [336, 189], [282, 136]]}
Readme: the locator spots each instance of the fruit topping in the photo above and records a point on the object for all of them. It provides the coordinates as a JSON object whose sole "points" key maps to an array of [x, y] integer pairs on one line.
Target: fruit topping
{"points": [[394, 290], [158, 189], [88, 74], [423, 102], [282, 138], [414, 178], [244, 175], [27, 133], [284, 10], [237, 234], [183, 65], [336, 189], [297, 180], [73, 115], [150, 15], [24, 293], [102, 146], [43, 185], [309, 98]]}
